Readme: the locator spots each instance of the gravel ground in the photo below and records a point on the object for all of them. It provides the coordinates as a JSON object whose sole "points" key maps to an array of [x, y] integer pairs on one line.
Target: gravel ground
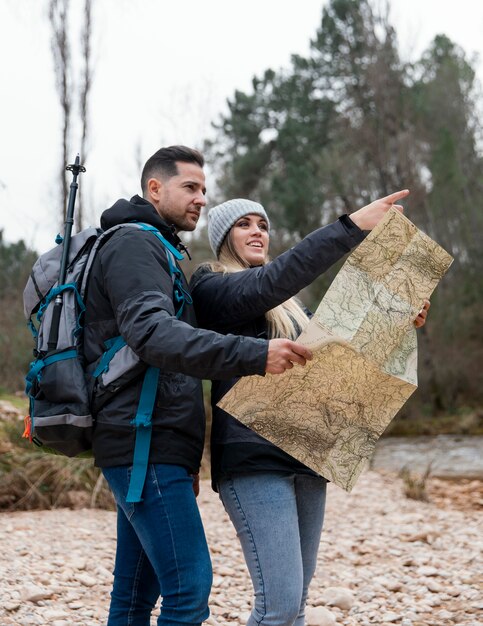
{"points": [[384, 559]]}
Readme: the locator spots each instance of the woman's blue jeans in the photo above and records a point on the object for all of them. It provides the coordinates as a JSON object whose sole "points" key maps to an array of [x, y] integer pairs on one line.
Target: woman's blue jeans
{"points": [[278, 519], [161, 550]]}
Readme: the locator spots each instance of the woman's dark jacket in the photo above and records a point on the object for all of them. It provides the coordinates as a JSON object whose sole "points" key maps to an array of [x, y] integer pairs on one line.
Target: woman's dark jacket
{"points": [[130, 293], [236, 303]]}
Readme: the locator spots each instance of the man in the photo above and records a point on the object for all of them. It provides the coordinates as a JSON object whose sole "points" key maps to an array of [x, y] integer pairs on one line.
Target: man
{"points": [[161, 547]]}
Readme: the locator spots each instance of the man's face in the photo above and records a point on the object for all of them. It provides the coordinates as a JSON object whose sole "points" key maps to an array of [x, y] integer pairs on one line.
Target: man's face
{"points": [[179, 199]]}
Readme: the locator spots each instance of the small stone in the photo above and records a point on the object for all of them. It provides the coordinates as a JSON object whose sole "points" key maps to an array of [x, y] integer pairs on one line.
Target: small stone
{"points": [[392, 584], [66, 575], [35, 594], [434, 586], [54, 614], [391, 617], [319, 616], [104, 573], [225, 571], [44, 579], [452, 591], [427, 570], [86, 580], [444, 614], [211, 621], [78, 563], [366, 596], [30, 620], [339, 597], [75, 605]]}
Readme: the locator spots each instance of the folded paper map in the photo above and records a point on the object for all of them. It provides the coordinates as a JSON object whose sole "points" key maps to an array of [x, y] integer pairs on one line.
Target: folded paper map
{"points": [[330, 413]]}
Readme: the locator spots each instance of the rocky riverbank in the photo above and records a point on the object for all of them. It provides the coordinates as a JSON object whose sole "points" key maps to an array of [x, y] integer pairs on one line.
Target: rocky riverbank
{"points": [[383, 559]]}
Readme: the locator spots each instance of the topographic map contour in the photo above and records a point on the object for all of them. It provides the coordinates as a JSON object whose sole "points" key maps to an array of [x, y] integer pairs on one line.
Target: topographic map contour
{"points": [[330, 413]]}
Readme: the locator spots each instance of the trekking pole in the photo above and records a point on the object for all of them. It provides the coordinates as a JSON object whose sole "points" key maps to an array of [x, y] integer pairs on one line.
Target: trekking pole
{"points": [[76, 169]]}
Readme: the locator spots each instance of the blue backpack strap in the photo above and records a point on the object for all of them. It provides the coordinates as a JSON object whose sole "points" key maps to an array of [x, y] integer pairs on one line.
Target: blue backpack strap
{"points": [[176, 253], [143, 424], [113, 345], [33, 330], [181, 296], [53, 294], [37, 366]]}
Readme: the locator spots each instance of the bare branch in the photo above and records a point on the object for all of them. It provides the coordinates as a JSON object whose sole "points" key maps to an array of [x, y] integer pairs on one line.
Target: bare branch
{"points": [[58, 17], [87, 76]]}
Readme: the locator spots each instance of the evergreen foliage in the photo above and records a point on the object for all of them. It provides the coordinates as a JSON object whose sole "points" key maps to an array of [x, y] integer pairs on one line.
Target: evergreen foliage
{"points": [[353, 122], [16, 261]]}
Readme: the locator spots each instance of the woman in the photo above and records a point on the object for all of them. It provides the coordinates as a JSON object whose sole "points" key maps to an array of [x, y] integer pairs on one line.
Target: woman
{"points": [[275, 503]]}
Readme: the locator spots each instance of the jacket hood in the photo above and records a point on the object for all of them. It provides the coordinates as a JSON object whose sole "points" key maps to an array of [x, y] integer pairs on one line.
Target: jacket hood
{"points": [[137, 209]]}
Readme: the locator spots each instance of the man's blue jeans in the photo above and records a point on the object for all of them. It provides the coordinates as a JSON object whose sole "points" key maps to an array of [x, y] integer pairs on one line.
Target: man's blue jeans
{"points": [[278, 519], [161, 550]]}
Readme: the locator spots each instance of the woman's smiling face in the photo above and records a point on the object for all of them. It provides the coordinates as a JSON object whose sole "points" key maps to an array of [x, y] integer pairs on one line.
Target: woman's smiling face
{"points": [[250, 239]]}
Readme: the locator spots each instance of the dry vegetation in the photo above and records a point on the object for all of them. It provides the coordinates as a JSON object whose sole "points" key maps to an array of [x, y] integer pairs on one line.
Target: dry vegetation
{"points": [[31, 478]]}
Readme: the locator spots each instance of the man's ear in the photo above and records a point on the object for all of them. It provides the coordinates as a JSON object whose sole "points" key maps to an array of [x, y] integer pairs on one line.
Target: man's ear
{"points": [[154, 187]]}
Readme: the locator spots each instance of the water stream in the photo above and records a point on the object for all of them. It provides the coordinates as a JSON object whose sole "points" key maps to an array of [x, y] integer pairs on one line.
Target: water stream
{"points": [[449, 456]]}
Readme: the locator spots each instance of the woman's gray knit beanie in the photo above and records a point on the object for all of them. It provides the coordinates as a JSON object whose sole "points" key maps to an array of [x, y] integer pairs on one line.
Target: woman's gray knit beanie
{"points": [[223, 216]]}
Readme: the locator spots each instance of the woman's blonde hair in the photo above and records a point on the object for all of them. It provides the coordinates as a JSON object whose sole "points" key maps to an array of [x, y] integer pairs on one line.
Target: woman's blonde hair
{"points": [[285, 320]]}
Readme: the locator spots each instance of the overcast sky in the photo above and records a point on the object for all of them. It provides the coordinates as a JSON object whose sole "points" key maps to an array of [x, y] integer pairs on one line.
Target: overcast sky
{"points": [[163, 72]]}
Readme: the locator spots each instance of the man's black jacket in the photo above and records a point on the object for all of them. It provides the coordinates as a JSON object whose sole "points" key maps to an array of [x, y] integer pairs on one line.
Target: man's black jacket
{"points": [[130, 293]]}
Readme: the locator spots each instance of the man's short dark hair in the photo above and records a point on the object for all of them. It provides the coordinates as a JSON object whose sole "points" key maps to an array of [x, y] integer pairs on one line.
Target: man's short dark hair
{"points": [[163, 163]]}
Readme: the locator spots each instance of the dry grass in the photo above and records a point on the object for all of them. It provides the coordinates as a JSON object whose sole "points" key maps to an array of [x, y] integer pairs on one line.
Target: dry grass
{"points": [[32, 478], [415, 485]]}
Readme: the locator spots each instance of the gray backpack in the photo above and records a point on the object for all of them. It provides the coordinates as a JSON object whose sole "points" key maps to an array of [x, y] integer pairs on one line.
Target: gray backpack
{"points": [[58, 386]]}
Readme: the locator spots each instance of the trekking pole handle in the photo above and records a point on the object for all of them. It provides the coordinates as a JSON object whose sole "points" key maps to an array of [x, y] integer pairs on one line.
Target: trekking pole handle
{"points": [[76, 169]]}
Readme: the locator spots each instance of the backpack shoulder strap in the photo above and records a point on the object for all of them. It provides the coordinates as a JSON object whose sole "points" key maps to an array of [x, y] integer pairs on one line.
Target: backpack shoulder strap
{"points": [[176, 253], [142, 444], [181, 295], [171, 251]]}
